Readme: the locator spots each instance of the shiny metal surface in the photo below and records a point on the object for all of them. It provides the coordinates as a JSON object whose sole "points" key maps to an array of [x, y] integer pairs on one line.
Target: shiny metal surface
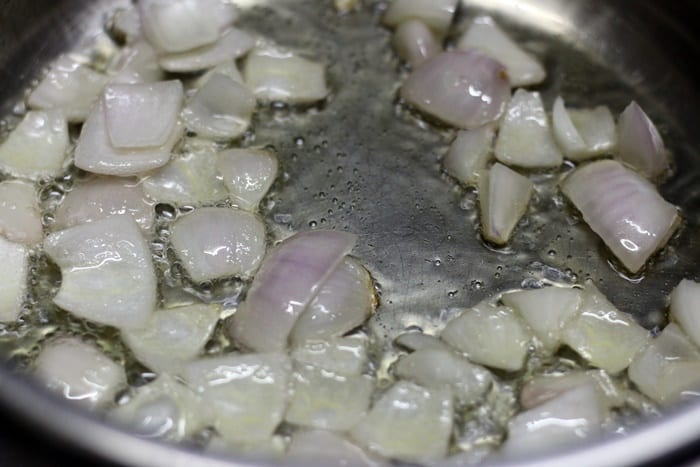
{"points": [[368, 166]]}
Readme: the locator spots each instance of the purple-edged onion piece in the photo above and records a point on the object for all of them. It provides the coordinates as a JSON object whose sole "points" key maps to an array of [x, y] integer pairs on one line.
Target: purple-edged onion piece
{"points": [[640, 143], [463, 89], [624, 209]]}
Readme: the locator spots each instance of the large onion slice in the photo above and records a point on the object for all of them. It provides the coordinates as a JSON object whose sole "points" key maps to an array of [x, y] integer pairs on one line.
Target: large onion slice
{"points": [[473, 89], [624, 209], [20, 218], [470, 153], [248, 174], [437, 13], [15, 260], [328, 448], [685, 308], [233, 43], [641, 145], [414, 42]]}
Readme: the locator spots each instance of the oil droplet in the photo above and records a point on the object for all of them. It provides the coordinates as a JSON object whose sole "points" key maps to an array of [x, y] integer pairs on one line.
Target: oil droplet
{"points": [[313, 224], [451, 293], [437, 262], [299, 141], [476, 284], [552, 253]]}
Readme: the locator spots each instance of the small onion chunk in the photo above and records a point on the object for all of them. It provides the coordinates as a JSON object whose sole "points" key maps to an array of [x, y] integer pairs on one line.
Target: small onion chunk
{"points": [[583, 133], [323, 447], [624, 209], [685, 308], [227, 68], [20, 217], [248, 174], [233, 44], [469, 154], [135, 63], [415, 42], [473, 90], [341, 355], [219, 242], [641, 145], [541, 389], [437, 14], [15, 260], [420, 341]]}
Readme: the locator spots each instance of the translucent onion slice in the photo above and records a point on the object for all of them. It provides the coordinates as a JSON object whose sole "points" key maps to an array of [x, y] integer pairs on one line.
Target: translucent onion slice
{"points": [[79, 372], [606, 337], [408, 423], [247, 393], [485, 35], [221, 109], [15, 260], [473, 91], [20, 218], [685, 308], [341, 355], [102, 197], [36, 148], [584, 133], [278, 76], [248, 174], [420, 341], [344, 301], [435, 368], [546, 311], [135, 63], [437, 14], [415, 42], [289, 278], [173, 336], [233, 43], [565, 132], [469, 153], [126, 24], [490, 335], [624, 209], [69, 87], [668, 369], [641, 145], [219, 242], [541, 389], [325, 400], [269, 449], [525, 139], [142, 115], [330, 449], [107, 273], [503, 198], [227, 68]]}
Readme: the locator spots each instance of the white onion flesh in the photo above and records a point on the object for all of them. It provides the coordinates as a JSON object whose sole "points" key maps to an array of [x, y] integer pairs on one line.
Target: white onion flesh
{"points": [[473, 91], [278, 76], [437, 14], [606, 337], [435, 368], [584, 133], [325, 400], [79, 372], [102, 197], [135, 63], [474, 456], [415, 42], [408, 423], [247, 393], [269, 449], [20, 217], [420, 341], [525, 138], [565, 132], [126, 23], [485, 36], [15, 260], [142, 115], [219, 242], [490, 335], [69, 87], [233, 44], [330, 449], [641, 145], [36, 148], [341, 355], [221, 109], [542, 389], [470, 153], [685, 308], [248, 174], [227, 68], [546, 311], [503, 198], [107, 273], [624, 209], [172, 336], [290, 277]]}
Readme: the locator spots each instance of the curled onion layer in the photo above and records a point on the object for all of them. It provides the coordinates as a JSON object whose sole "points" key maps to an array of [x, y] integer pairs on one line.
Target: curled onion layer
{"points": [[233, 44], [544, 388], [20, 217], [135, 63], [414, 42], [248, 174], [15, 260], [437, 14], [469, 154], [641, 145]]}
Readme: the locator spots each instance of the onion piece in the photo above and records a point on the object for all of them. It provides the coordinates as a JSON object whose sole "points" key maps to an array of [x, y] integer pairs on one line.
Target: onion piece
{"points": [[172, 336], [248, 174], [415, 42], [219, 242], [246, 393], [604, 336], [525, 138], [107, 273], [36, 148], [232, 44], [101, 197], [420, 341], [70, 87], [503, 198], [542, 389], [79, 372], [268, 449], [624, 209], [469, 154], [437, 14], [341, 355], [125, 24], [435, 368], [15, 259], [278, 76], [641, 145], [135, 63], [325, 400], [473, 88], [408, 423], [227, 68], [597, 128], [344, 301], [546, 311], [142, 115], [565, 132], [684, 308], [289, 278], [221, 109], [20, 217], [330, 449], [485, 36]]}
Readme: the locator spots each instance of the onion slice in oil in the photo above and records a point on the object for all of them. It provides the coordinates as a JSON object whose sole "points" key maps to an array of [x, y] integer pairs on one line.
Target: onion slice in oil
{"points": [[641, 145], [15, 260], [415, 42], [20, 217]]}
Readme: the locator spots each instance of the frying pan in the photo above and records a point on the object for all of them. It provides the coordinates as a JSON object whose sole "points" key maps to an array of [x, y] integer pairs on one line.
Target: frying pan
{"points": [[363, 163]]}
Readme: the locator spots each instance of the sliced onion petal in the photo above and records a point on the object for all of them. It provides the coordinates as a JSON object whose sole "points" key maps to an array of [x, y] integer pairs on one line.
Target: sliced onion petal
{"points": [[233, 43], [248, 174], [15, 260], [340, 355], [227, 68], [565, 132], [20, 217], [437, 13], [597, 128], [469, 153], [641, 145], [685, 308], [414, 42], [135, 63], [541, 389], [268, 449], [328, 448]]}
